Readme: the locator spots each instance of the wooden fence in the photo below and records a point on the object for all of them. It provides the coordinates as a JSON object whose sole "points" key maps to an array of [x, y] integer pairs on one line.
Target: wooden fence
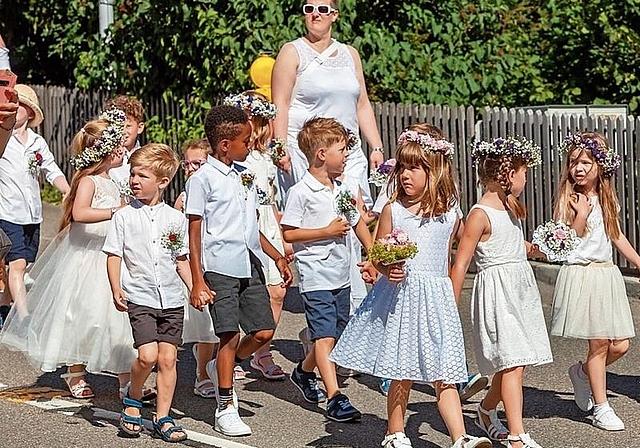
{"points": [[66, 110]]}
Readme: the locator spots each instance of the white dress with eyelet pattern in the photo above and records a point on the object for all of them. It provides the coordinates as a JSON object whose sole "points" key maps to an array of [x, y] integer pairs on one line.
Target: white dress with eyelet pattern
{"points": [[410, 331], [506, 310]]}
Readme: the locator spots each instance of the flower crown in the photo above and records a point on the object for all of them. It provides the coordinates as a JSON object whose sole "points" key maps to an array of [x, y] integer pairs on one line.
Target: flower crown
{"points": [[510, 147], [607, 158], [109, 140], [252, 104], [427, 142]]}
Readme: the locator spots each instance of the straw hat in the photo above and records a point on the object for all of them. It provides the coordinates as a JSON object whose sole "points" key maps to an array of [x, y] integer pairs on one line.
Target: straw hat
{"points": [[28, 97]]}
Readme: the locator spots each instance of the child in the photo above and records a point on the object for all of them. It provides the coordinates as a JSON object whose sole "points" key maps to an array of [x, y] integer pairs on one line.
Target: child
{"points": [[26, 155], [69, 319], [506, 310], [198, 326], [393, 333], [133, 129], [259, 162], [227, 256], [314, 221], [590, 301], [151, 238]]}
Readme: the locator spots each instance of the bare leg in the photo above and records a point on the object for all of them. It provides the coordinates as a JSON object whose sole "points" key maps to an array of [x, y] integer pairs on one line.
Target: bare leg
{"points": [[205, 351], [140, 369], [450, 409], [397, 401], [512, 399], [166, 383], [276, 294], [18, 291], [322, 348]]}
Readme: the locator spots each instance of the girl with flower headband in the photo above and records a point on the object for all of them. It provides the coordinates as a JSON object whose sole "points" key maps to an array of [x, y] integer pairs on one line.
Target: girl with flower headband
{"points": [[71, 320], [590, 301], [260, 164], [408, 328], [509, 330]]}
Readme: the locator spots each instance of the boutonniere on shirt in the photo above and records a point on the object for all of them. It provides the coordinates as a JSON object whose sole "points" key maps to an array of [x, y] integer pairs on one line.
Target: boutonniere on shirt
{"points": [[247, 178], [172, 238], [125, 191], [35, 162], [346, 204], [263, 196]]}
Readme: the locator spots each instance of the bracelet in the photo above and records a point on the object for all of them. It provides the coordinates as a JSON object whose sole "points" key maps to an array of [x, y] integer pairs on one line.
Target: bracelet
{"points": [[380, 149]]}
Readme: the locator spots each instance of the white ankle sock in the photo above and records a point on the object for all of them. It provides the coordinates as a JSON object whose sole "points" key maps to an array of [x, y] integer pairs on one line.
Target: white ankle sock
{"points": [[600, 408]]}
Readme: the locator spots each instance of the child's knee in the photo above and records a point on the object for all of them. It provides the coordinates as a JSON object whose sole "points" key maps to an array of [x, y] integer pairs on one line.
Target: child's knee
{"points": [[166, 362], [263, 336], [619, 347]]}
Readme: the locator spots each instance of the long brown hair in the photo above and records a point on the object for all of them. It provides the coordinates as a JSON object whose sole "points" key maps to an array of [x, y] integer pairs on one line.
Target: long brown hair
{"points": [[83, 139], [605, 189], [496, 169], [441, 192]]}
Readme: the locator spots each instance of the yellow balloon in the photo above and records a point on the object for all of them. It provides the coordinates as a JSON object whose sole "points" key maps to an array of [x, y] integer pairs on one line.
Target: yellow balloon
{"points": [[260, 71]]}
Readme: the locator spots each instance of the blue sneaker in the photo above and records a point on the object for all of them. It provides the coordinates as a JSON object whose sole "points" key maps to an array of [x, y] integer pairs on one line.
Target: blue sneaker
{"points": [[307, 383], [385, 385], [340, 409], [475, 383]]}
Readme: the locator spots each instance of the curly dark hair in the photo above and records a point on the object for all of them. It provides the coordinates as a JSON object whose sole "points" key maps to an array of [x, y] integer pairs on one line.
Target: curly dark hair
{"points": [[223, 122]]}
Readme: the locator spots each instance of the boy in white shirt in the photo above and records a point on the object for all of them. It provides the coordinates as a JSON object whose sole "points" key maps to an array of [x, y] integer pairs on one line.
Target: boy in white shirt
{"points": [[134, 127], [151, 238], [228, 256], [320, 211]]}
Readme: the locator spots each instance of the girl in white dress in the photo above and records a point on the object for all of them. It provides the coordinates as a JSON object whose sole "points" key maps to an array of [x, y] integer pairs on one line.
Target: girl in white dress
{"points": [[408, 328], [71, 319], [506, 310], [590, 301], [261, 112]]}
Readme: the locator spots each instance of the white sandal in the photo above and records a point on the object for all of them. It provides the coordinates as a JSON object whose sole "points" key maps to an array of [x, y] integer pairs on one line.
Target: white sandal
{"points": [[496, 430], [205, 388], [525, 439], [81, 389], [272, 371], [467, 441]]}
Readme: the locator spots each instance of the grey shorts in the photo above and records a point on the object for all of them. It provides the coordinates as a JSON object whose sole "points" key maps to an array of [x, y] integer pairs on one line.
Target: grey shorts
{"points": [[240, 302], [153, 325]]}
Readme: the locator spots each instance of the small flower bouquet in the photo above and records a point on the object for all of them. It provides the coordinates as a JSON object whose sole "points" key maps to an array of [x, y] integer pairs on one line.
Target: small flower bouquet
{"points": [[172, 239], [263, 196], [346, 205], [380, 175], [247, 178], [394, 248], [277, 149], [35, 162], [556, 240], [125, 191]]}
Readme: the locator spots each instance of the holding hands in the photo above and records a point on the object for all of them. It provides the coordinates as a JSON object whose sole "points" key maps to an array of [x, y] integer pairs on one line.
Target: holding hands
{"points": [[201, 296]]}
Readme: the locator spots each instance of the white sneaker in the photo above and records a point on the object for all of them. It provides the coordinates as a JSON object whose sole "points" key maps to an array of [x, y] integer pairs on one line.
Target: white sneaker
{"points": [[305, 338], [605, 418], [467, 441], [581, 388], [229, 423], [396, 440], [212, 373]]}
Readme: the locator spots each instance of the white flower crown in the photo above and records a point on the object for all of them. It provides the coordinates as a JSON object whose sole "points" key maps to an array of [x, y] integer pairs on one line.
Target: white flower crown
{"points": [[254, 105], [109, 140]]}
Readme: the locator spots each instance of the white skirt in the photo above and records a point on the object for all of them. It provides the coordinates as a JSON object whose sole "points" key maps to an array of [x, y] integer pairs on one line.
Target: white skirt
{"points": [[198, 325], [590, 302]]}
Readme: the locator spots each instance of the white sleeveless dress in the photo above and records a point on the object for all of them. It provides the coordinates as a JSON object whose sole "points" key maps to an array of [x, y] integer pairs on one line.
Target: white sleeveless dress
{"points": [[410, 331], [71, 316], [332, 90], [506, 308]]}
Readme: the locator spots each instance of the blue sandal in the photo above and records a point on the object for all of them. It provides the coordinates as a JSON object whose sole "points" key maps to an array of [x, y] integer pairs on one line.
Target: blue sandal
{"points": [[166, 435], [130, 419]]}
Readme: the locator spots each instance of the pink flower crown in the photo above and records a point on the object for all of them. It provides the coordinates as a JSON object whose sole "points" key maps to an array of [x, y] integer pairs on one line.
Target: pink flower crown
{"points": [[427, 142]]}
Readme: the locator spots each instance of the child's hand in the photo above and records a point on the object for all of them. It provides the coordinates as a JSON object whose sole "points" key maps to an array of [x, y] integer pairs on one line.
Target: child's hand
{"points": [[201, 296], [119, 300], [338, 228], [368, 271], [283, 266], [285, 163], [394, 272], [580, 204], [288, 252]]}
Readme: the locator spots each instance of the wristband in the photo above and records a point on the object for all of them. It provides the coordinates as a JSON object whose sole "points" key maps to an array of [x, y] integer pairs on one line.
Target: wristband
{"points": [[380, 149]]}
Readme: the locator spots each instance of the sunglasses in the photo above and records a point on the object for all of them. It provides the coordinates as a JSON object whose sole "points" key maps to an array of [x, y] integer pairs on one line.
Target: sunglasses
{"points": [[195, 164], [324, 10]]}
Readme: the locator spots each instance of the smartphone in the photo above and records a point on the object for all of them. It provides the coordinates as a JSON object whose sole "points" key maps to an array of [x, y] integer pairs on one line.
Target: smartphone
{"points": [[7, 81]]}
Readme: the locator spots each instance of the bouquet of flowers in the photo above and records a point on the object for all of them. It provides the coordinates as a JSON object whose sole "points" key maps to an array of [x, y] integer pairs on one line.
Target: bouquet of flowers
{"points": [[380, 175], [394, 248], [277, 149], [35, 162], [346, 204], [247, 178], [125, 191], [556, 240]]}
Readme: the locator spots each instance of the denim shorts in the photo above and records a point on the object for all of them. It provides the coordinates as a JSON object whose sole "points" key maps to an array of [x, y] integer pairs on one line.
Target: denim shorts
{"points": [[327, 312], [25, 239]]}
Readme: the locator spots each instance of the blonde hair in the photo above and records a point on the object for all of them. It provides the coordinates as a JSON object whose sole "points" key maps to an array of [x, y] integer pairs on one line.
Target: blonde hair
{"points": [[201, 144], [261, 131], [441, 191], [605, 189], [85, 138], [160, 158], [496, 169], [319, 133]]}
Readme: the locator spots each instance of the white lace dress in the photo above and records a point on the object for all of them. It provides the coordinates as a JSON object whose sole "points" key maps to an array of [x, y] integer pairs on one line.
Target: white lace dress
{"points": [[506, 308], [71, 317], [332, 90], [411, 331]]}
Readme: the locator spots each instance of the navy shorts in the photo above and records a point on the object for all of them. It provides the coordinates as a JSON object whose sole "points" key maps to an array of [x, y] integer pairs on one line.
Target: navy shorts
{"points": [[327, 312], [25, 239]]}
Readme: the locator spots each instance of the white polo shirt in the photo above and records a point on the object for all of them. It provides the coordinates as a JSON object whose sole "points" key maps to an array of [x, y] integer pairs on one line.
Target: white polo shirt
{"points": [[229, 219], [138, 234], [19, 188], [324, 264]]}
